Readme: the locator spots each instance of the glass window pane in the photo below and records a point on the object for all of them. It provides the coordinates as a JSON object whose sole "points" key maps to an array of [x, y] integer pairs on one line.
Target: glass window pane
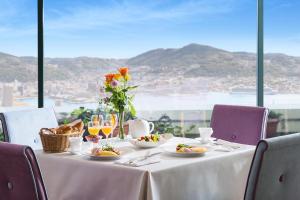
{"points": [[185, 56], [282, 65], [18, 50]]}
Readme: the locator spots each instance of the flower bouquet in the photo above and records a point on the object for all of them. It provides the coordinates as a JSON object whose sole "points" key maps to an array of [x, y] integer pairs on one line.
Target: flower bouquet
{"points": [[117, 88]]}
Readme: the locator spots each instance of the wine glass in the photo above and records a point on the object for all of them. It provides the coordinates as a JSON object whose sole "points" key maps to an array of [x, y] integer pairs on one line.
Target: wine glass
{"points": [[97, 119], [114, 121], [107, 127]]}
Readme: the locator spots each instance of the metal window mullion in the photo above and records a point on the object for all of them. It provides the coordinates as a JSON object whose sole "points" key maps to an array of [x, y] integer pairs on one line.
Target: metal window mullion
{"points": [[260, 54], [40, 5]]}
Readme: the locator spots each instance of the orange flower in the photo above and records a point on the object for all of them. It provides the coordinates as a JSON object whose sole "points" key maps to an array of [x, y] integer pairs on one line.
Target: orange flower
{"points": [[117, 76], [109, 77], [123, 71]]}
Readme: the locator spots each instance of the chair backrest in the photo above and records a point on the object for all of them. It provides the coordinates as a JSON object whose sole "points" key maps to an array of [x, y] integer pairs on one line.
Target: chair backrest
{"points": [[22, 127], [20, 176], [240, 124], [275, 167]]}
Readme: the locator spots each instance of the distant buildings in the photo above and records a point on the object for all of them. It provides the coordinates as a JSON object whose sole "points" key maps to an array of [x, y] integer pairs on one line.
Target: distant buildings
{"points": [[7, 96]]}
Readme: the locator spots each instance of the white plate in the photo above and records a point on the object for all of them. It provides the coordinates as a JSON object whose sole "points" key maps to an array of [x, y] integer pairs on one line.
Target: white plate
{"points": [[144, 144], [92, 157], [171, 150]]}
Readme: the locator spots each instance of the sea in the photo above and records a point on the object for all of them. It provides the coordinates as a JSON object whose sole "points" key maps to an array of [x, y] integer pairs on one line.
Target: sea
{"points": [[200, 101]]}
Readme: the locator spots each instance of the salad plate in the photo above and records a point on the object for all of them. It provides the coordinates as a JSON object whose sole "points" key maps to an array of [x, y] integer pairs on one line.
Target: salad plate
{"points": [[149, 141]]}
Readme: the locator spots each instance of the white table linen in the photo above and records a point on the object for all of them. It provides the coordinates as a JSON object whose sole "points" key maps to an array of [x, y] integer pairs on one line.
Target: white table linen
{"points": [[217, 175]]}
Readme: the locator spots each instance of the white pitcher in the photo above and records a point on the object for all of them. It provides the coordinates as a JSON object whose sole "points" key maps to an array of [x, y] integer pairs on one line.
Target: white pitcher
{"points": [[140, 127]]}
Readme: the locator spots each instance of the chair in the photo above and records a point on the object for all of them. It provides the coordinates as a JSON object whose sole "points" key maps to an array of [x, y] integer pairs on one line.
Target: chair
{"points": [[240, 124], [22, 127], [275, 167], [20, 176]]}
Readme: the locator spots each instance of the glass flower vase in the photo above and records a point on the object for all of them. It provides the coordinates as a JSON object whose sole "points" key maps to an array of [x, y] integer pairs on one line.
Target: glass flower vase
{"points": [[121, 125]]}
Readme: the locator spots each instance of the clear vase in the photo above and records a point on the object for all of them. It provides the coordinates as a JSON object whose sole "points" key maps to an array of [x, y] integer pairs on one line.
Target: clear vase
{"points": [[121, 125]]}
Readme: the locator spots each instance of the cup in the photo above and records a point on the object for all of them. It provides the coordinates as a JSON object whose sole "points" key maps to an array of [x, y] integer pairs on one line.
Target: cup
{"points": [[205, 134], [75, 144]]}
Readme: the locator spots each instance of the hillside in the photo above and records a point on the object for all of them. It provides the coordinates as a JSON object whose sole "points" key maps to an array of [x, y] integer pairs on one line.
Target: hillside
{"points": [[190, 61]]}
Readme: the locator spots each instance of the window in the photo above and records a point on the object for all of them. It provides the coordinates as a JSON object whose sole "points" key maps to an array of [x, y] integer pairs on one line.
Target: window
{"points": [[18, 49], [282, 65], [185, 56]]}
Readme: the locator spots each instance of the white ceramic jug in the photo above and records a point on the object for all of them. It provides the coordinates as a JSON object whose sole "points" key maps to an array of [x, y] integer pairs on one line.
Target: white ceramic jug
{"points": [[140, 127]]}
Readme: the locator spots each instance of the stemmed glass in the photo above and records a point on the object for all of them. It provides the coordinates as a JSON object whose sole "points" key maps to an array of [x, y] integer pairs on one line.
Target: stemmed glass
{"points": [[93, 128], [97, 119], [109, 123], [114, 120]]}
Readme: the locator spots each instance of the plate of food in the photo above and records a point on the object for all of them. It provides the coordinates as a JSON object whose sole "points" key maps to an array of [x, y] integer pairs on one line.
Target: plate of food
{"points": [[104, 153], [148, 141], [186, 150]]}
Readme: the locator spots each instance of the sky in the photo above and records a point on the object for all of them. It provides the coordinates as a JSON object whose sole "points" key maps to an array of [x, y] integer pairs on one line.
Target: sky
{"points": [[126, 28]]}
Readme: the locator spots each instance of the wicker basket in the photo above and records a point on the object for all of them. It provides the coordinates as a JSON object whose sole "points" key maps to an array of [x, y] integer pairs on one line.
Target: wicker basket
{"points": [[55, 143]]}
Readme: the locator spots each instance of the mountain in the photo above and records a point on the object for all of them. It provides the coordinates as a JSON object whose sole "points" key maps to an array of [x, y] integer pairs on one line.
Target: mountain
{"points": [[197, 60], [190, 61], [13, 67], [200, 60], [25, 68]]}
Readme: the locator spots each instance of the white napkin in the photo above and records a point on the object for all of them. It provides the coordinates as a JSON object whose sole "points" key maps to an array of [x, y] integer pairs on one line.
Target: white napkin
{"points": [[147, 159], [222, 148], [138, 163]]}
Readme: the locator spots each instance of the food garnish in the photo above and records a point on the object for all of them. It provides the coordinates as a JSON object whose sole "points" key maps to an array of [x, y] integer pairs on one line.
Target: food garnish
{"points": [[184, 148], [150, 138]]}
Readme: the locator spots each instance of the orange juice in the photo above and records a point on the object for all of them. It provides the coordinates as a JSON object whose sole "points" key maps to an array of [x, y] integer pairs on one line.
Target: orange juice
{"points": [[94, 130], [106, 130]]}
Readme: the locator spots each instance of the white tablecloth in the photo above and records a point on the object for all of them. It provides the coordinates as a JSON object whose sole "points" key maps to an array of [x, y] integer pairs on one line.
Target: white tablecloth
{"points": [[217, 175]]}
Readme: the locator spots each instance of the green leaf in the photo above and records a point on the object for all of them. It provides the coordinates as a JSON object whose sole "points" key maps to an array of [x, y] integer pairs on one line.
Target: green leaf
{"points": [[131, 108], [109, 89], [132, 87]]}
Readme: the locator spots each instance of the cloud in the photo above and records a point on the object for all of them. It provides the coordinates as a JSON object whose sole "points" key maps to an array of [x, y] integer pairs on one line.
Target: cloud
{"points": [[17, 18], [129, 12]]}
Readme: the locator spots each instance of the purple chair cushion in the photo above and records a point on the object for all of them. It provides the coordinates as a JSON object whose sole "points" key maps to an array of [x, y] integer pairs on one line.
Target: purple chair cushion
{"points": [[20, 177], [240, 124]]}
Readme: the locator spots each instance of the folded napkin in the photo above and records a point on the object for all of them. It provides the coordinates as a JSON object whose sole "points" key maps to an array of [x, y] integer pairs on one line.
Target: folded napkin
{"points": [[138, 163], [140, 160], [227, 144], [223, 149]]}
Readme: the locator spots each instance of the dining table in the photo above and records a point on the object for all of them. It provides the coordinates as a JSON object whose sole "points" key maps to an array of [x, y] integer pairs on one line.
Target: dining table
{"points": [[219, 174]]}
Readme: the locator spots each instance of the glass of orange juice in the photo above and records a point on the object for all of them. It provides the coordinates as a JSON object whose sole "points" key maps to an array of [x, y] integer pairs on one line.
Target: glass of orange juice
{"points": [[93, 129], [107, 127]]}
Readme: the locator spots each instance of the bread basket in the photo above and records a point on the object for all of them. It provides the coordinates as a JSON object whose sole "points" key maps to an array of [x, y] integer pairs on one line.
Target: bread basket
{"points": [[55, 143]]}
